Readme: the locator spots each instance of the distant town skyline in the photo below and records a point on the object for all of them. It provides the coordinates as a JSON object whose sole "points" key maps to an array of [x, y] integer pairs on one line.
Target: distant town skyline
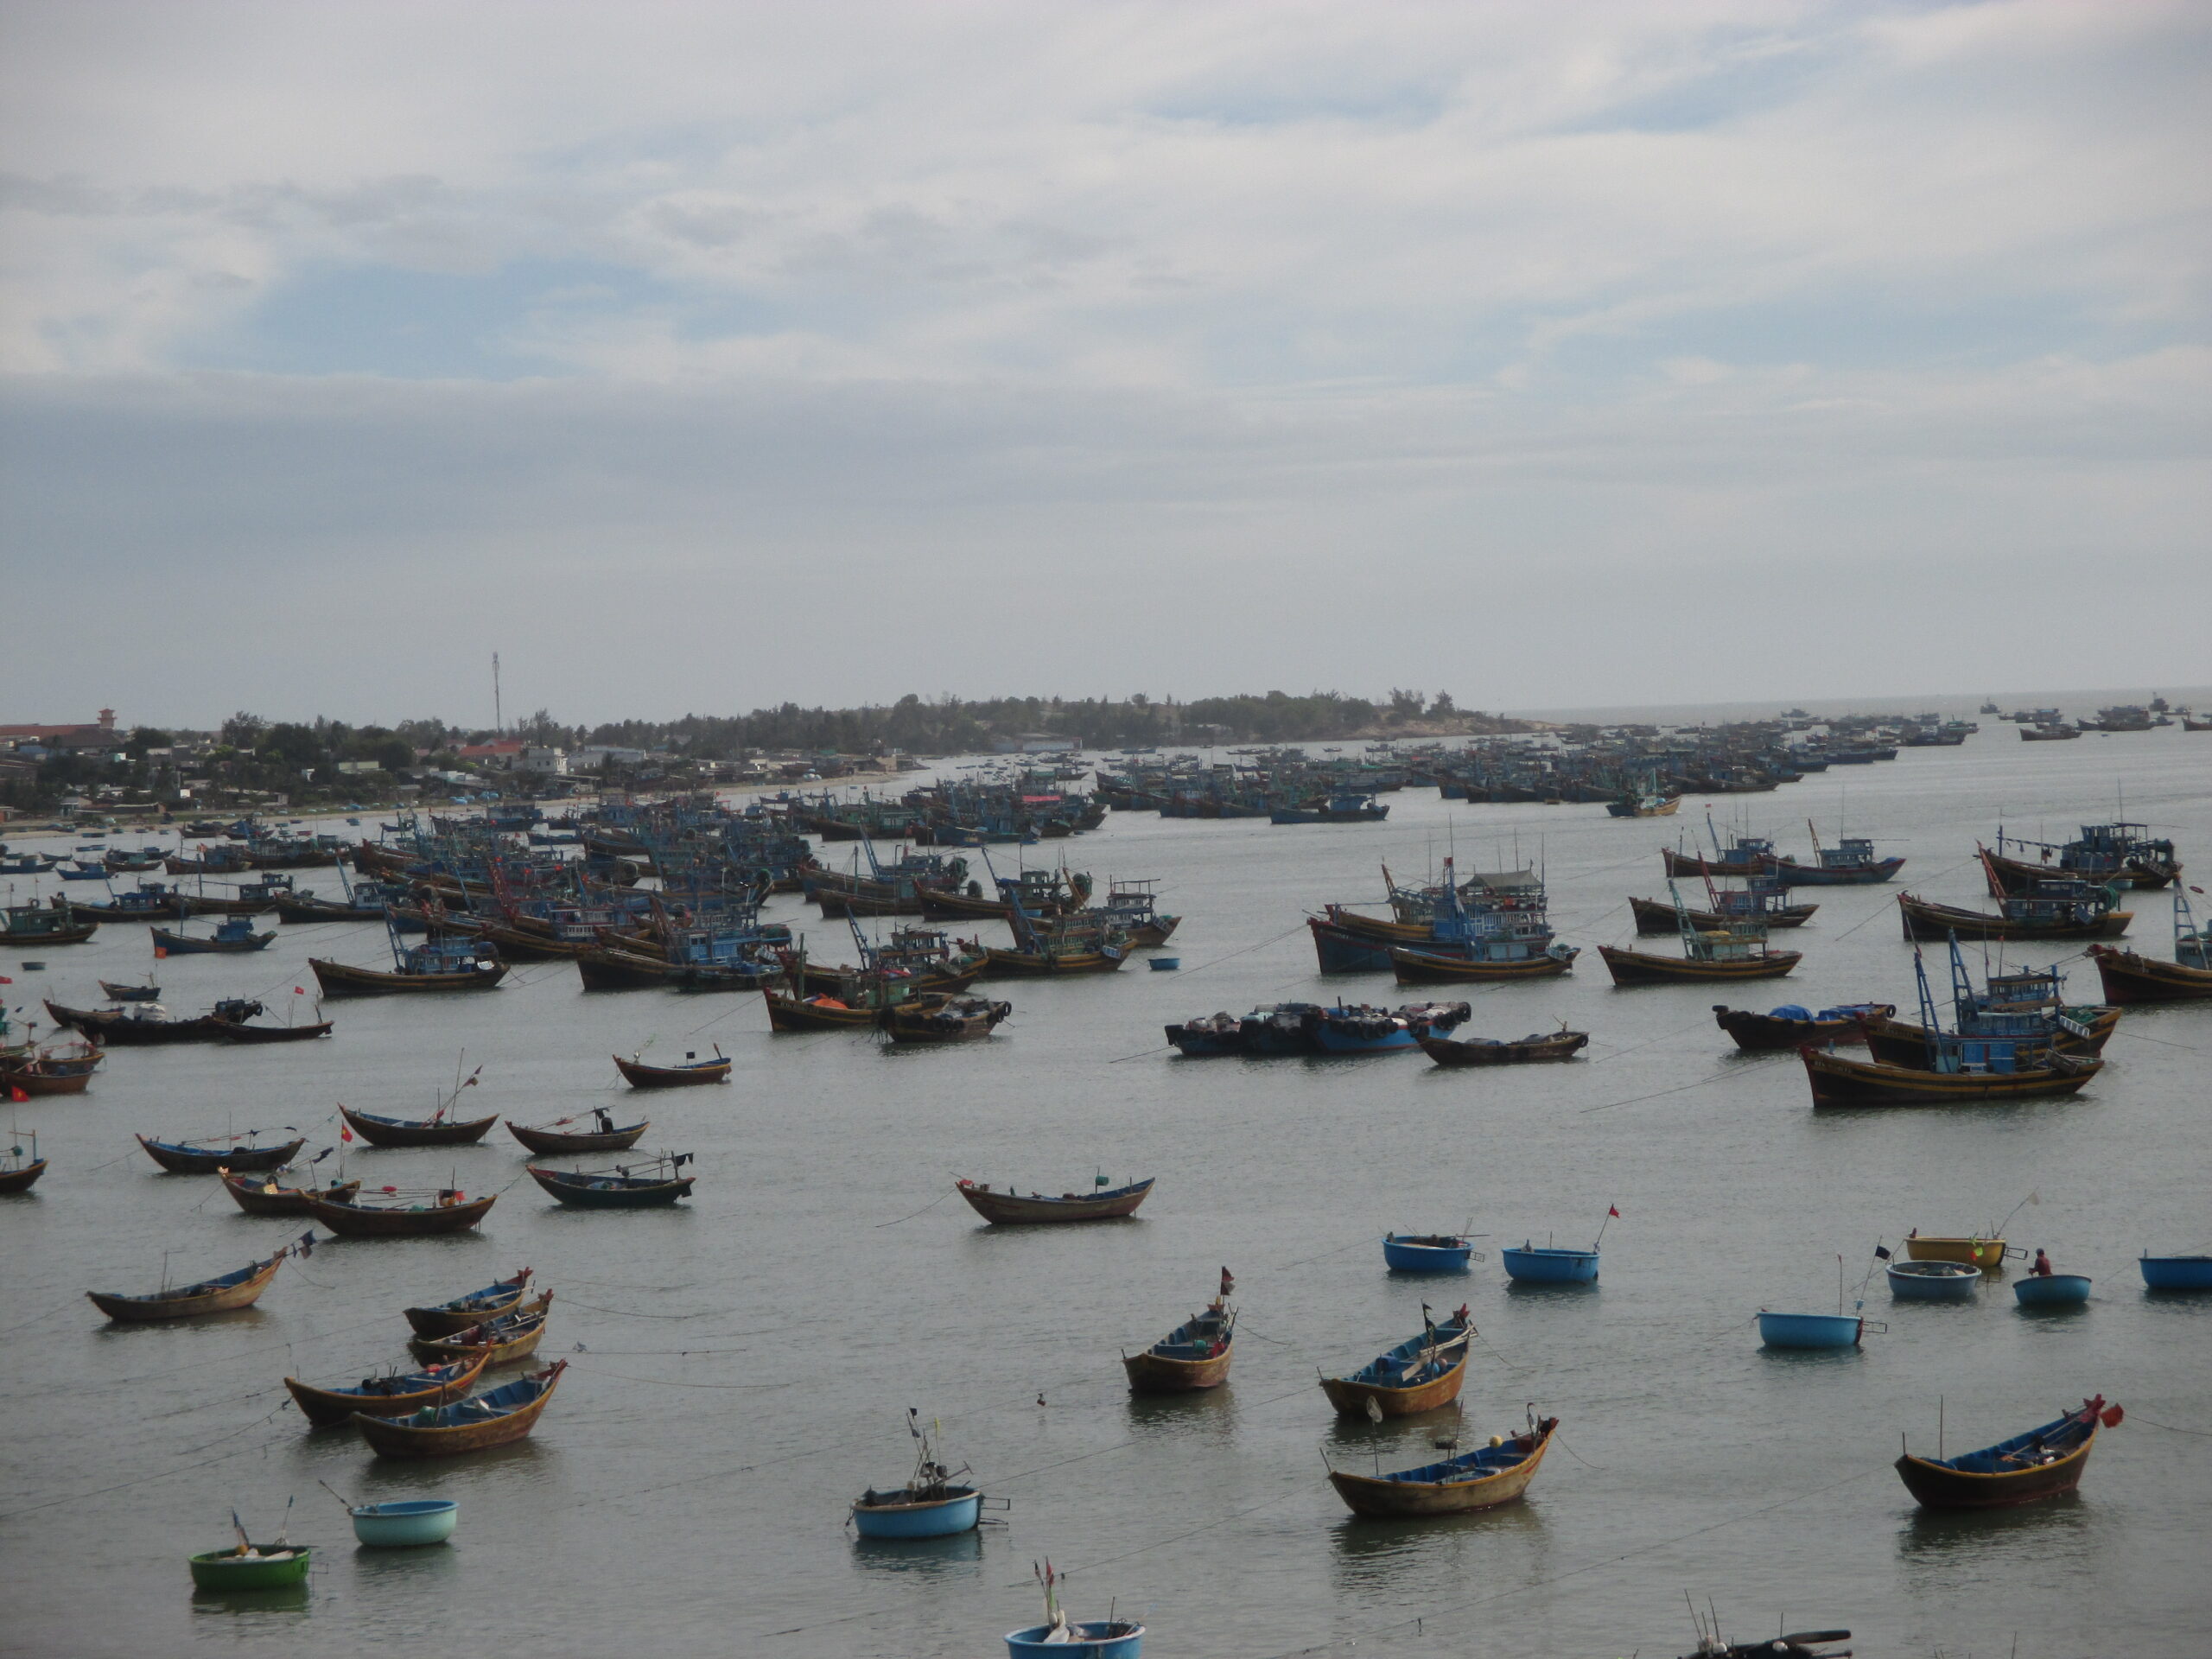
{"points": [[701, 357]]}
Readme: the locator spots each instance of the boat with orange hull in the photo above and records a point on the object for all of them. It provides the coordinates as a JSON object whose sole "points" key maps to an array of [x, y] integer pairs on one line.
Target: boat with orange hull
{"points": [[2131, 979], [511, 1336], [65, 1070], [1195, 1355], [1419, 1374], [222, 1294], [1840, 1082], [500, 1417], [387, 1396], [502, 1296], [2043, 1463], [1459, 1484], [638, 1075], [1643, 968], [261, 1195], [1000, 1209]]}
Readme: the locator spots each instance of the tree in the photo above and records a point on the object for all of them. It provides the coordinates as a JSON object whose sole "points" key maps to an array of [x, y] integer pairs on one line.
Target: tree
{"points": [[296, 746], [144, 738], [242, 730]]}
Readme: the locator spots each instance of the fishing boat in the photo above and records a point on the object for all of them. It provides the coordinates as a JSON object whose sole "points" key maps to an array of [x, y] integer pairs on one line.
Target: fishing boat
{"points": [[501, 1296], [638, 1075], [503, 1340], [19, 1171], [1364, 1029], [245, 1567], [1344, 808], [1840, 1082], [1793, 1026], [1644, 806], [1419, 1374], [1811, 1330], [1413, 965], [1547, 1264], [1195, 1355], [1988, 1255], [1654, 919], [2131, 979], [145, 1025], [1061, 1637], [150, 901], [2183, 1273], [1466, 1481], [2051, 1290], [499, 1417], [1796, 1645], [221, 1294], [396, 1396], [436, 1130], [1933, 1281], [233, 936], [1207, 1036], [1049, 955], [956, 1020], [1738, 951], [626, 1187], [2041, 1464], [393, 1213], [935, 1502], [1009, 1207], [1132, 907], [1426, 1252], [114, 992], [249, 1035], [56, 1069], [1745, 855], [2054, 910], [405, 1522], [209, 1157], [1536, 1046], [1279, 1029], [788, 1012], [261, 1195], [550, 1140], [1851, 862], [441, 963]]}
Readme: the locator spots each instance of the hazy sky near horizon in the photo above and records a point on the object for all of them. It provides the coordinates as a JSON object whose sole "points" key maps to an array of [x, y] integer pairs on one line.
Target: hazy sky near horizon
{"points": [[694, 357]]}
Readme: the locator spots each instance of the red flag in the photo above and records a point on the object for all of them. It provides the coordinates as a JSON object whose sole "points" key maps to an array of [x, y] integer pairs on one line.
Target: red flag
{"points": [[299, 990], [1228, 1282], [345, 1135], [4, 980], [159, 952], [1613, 1211], [17, 1093]]}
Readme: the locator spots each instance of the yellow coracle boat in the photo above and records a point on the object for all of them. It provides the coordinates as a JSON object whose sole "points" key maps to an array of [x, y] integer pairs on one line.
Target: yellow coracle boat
{"points": [[1987, 1253]]}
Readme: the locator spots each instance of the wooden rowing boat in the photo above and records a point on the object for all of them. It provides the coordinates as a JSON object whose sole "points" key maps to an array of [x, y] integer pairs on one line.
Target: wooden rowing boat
{"points": [[193, 1158], [956, 1020], [549, 1139], [1654, 919], [513, 1336], [260, 1195], [1419, 1374], [1413, 966], [148, 1024], [1840, 1082], [1642, 968], [1486, 1051], [638, 1075], [1793, 1027], [338, 979], [451, 1212], [663, 1183], [1002, 1207], [251, 1035], [504, 1414], [51, 1072], [2042, 1463], [388, 1396], [380, 1131], [501, 1296], [222, 1294], [1481, 1479], [1195, 1355]]}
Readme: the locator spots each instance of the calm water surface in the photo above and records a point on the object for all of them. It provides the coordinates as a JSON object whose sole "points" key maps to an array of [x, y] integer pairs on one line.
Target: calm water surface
{"points": [[741, 1365]]}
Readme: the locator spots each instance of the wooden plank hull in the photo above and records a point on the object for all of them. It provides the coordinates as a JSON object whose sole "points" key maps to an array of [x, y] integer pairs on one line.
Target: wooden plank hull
{"points": [[1151, 1373], [365, 1221], [1350, 1398], [255, 1197], [1002, 1208], [337, 978], [33, 1079], [559, 1185], [1415, 966], [1641, 968], [327, 1406], [1838, 1082], [405, 1441], [198, 1160], [1364, 1494], [446, 1322], [131, 1310], [506, 1347], [119, 1030], [553, 1142], [1765, 1033], [391, 1132], [1936, 1487], [1926, 921], [1656, 918], [1054, 964], [249, 1035], [638, 1075], [1447, 1052], [2132, 979], [22, 1180], [1891, 1041]]}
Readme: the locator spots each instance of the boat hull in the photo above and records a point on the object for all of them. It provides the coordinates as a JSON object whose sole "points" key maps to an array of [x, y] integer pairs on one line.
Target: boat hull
{"points": [[23, 1179], [1093, 1639], [1414, 966], [2131, 979], [394, 1132], [567, 1190], [938, 1518], [638, 1075], [552, 1142], [1448, 1052], [2176, 1272], [1810, 1330], [1402, 1255], [1657, 919], [326, 1407], [254, 1198], [357, 1221], [1000, 1209], [1838, 1082], [1933, 1281], [1765, 1032], [225, 1571], [130, 1310], [1923, 921], [405, 1524], [1635, 968], [181, 1160], [337, 980], [1350, 1399], [1987, 1253], [1365, 1494], [392, 1439], [1936, 1487], [1532, 1265], [2052, 1290], [1151, 1373]]}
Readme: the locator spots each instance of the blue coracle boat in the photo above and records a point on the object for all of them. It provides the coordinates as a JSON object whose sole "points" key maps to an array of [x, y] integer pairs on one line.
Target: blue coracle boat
{"points": [[1810, 1330], [1934, 1282], [933, 1504], [1097, 1638], [1426, 1252], [405, 1523], [2176, 1272], [2052, 1290], [1543, 1265]]}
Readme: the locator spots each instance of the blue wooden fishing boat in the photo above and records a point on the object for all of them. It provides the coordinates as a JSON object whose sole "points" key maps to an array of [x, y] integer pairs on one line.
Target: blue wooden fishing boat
{"points": [[1364, 1029], [627, 1187], [2026, 1469], [1279, 1029], [2051, 1290], [1426, 1252], [405, 1523], [1810, 1330], [1204, 1037], [2176, 1272], [1419, 1374], [1058, 1635], [1851, 862], [1459, 1484], [233, 935], [1332, 809], [1934, 1282], [935, 1502], [1545, 1265]]}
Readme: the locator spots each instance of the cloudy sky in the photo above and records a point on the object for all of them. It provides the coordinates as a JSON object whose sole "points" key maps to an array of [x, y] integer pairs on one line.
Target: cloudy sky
{"points": [[698, 356]]}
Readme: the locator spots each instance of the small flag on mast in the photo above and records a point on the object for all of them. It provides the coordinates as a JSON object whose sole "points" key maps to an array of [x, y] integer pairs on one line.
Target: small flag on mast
{"points": [[1228, 1282], [1613, 1212]]}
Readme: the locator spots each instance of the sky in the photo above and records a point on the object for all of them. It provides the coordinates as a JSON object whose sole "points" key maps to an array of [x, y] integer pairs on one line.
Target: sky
{"points": [[699, 357]]}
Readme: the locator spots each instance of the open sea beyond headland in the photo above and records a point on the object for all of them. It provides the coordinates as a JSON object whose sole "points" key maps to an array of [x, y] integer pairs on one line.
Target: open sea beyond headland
{"points": [[741, 1365]]}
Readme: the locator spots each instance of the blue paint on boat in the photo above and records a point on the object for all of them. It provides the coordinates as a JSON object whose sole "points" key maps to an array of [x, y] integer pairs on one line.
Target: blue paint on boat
{"points": [[2052, 1290], [407, 1523], [2176, 1272], [1094, 1639], [1934, 1282], [1542, 1265], [1166, 965], [1426, 1253], [893, 1515], [1810, 1330]]}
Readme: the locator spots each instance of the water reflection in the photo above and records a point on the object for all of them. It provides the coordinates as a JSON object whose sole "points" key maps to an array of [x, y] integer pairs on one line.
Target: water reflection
{"points": [[960, 1556], [242, 1320], [1204, 1414], [413, 1570], [1369, 1555], [1528, 1290], [1945, 1549], [251, 1612]]}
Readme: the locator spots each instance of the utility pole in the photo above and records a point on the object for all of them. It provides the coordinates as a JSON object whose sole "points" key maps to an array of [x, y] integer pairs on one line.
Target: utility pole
{"points": [[499, 718]]}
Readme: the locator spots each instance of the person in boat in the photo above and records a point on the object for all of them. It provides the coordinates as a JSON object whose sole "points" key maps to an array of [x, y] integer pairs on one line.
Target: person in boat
{"points": [[2041, 1268], [606, 1123]]}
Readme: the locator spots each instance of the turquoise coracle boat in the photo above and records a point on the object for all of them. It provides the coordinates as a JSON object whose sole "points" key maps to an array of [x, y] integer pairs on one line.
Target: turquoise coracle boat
{"points": [[1426, 1252], [1542, 1265], [1810, 1330], [2051, 1290], [406, 1522], [933, 1504]]}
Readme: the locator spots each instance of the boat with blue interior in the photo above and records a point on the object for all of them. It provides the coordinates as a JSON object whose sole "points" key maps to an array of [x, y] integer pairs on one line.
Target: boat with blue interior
{"points": [[1419, 1374], [936, 1501], [2043, 1463], [1426, 1252], [1195, 1355], [233, 936], [626, 1186], [1464, 1482]]}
